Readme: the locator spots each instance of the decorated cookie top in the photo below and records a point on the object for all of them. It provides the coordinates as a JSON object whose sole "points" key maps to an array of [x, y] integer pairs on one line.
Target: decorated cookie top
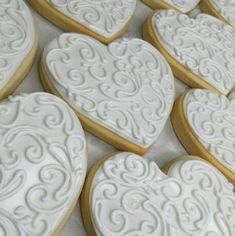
{"points": [[17, 35], [182, 5], [212, 119], [204, 45], [104, 17], [42, 163], [226, 8], [130, 195], [127, 86]]}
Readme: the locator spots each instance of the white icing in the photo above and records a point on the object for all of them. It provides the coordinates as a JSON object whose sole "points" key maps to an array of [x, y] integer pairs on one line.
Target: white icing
{"points": [[182, 5], [212, 119], [17, 35], [103, 17], [226, 8], [204, 45], [130, 196], [126, 87], [42, 163]]}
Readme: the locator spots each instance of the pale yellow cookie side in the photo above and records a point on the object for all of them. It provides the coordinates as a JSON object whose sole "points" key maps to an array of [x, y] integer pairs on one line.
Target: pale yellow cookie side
{"points": [[207, 7], [92, 127], [190, 141], [68, 24], [22, 71], [68, 214], [180, 71], [157, 4], [85, 196]]}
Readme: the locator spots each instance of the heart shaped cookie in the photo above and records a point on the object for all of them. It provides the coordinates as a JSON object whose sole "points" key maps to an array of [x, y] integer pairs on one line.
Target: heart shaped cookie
{"points": [[180, 5], [222, 9], [201, 51], [122, 92], [42, 164], [204, 121], [128, 195], [18, 44], [101, 19]]}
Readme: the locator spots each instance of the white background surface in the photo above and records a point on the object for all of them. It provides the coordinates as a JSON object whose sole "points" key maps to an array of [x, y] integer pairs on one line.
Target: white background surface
{"points": [[166, 148]]}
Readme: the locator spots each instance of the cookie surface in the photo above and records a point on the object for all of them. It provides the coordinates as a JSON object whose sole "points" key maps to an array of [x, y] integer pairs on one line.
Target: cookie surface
{"points": [[18, 44], [201, 50], [122, 92], [42, 164], [204, 122], [101, 19], [180, 5], [128, 195], [224, 10]]}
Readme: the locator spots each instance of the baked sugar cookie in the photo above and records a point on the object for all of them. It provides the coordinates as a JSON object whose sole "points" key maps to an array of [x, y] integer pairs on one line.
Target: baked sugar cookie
{"points": [[204, 121], [122, 92], [125, 194], [18, 44], [201, 50], [180, 5], [222, 9], [42, 164], [101, 19]]}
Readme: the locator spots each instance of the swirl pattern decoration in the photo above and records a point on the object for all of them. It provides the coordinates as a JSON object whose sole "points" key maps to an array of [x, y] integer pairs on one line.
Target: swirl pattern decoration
{"points": [[131, 196], [204, 46], [126, 87], [212, 119], [17, 36], [42, 163], [103, 17]]}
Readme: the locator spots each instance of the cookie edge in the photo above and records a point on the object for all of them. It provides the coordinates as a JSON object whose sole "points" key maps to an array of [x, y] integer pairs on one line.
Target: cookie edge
{"points": [[189, 140], [163, 5], [180, 71], [85, 195], [207, 7], [69, 25], [23, 68]]}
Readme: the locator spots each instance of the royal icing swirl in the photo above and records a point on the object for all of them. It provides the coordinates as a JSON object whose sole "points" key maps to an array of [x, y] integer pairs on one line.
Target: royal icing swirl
{"points": [[104, 17], [42, 163], [17, 35], [130, 195], [226, 8], [212, 119], [204, 45], [127, 87], [182, 5]]}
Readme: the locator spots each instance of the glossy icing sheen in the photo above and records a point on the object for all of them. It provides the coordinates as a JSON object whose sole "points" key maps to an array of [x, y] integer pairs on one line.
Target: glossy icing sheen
{"points": [[226, 8], [42, 163], [126, 87], [131, 196], [182, 5], [104, 17], [204, 45], [212, 118], [16, 37]]}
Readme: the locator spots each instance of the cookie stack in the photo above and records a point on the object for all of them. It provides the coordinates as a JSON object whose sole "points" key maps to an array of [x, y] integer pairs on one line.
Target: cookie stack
{"points": [[121, 70]]}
